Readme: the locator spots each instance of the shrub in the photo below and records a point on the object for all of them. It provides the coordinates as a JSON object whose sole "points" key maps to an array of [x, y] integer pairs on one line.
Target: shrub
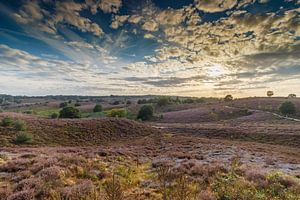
{"points": [[292, 96], [163, 101], [113, 189], [145, 113], [77, 104], [69, 112], [54, 116], [117, 112], [287, 108], [23, 137], [20, 125], [97, 108], [63, 104], [228, 97], [7, 121]]}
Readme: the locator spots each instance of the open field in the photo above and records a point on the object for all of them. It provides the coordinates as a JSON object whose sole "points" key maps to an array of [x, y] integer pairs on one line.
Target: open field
{"points": [[207, 150]]}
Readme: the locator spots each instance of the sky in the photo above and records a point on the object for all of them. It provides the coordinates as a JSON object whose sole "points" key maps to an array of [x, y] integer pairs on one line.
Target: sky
{"points": [[164, 47]]}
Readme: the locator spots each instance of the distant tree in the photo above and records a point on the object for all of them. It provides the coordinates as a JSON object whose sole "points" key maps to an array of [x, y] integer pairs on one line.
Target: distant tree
{"points": [[97, 108], [63, 104], [142, 101], [69, 112], [145, 113], [292, 96], [287, 108], [115, 103], [228, 97], [128, 102], [70, 101], [270, 93], [77, 104], [163, 101]]}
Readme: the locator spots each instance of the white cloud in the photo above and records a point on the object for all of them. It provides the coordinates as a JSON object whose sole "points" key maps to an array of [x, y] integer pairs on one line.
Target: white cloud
{"points": [[212, 6]]}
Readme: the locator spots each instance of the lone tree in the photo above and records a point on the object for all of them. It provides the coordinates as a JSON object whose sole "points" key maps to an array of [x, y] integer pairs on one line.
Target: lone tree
{"points": [[145, 113], [69, 112], [270, 93], [292, 96], [163, 101], [97, 108], [287, 108], [228, 97]]}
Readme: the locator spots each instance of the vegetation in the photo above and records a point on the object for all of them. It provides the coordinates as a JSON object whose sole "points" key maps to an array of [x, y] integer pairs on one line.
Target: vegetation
{"points": [[287, 108], [7, 122], [145, 113], [97, 108], [228, 97], [270, 93], [163, 101], [117, 112], [69, 112], [63, 104], [292, 96], [20, 125], [54, 116], [23, 137]]}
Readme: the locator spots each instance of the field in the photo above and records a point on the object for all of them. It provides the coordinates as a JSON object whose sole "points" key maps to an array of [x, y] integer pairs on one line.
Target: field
{"points": [[242, 149]]}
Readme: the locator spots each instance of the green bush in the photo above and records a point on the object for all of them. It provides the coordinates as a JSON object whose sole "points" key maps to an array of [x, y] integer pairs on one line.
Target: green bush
{"points": [[117, 112], [54, 116], [7, 122], [145, 113], [23, 137], [163, 101], [69, 112], [63, 104], [20, 125], [97, 108], [77, 104], [287, 108]]}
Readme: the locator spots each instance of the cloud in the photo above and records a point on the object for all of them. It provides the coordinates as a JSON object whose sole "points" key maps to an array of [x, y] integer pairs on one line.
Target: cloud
{"points": [[212, 6], [110, 6], [150, 25]]}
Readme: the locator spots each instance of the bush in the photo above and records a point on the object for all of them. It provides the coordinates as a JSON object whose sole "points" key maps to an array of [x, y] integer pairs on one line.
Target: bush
{"points": [[69, 112], [22, 138], [228, 97], [54, 116], [20, 125], [163, 101], [145, 113], [97, 108], [77, 104], [287, 108], [117, 112], [7, 121], [63, 104]]}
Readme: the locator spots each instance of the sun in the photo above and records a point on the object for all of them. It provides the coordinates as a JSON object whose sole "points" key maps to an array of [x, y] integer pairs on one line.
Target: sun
{"points": [[215, 71]]}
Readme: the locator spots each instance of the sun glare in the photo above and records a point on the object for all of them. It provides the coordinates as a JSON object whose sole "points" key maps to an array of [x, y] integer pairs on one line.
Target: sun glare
{"points": [[215, 71]]}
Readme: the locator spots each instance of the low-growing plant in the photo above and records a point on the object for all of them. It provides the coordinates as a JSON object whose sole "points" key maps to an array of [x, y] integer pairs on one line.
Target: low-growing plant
{"points": [[287, 108], [54, 115], [117, 112], [23, 137], [7, 122], [113, 189], [20, 125]]}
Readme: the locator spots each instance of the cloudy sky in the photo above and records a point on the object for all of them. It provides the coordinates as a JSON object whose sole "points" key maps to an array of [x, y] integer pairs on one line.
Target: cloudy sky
{"points": [[182, 47]]}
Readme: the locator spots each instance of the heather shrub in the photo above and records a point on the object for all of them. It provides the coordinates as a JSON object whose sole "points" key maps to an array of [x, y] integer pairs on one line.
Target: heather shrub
{"points": [[23, 137], [97, 108], [20, 125], [7, 122], [145, 113], [69, 112]]}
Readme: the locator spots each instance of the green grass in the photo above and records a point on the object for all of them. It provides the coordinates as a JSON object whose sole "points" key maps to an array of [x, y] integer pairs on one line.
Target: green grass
{"points": [[46, 113], [93, 114]]}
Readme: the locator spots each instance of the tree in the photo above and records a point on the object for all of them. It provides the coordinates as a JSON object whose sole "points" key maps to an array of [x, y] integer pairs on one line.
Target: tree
{"points": [[69, 112], [97, 108], [163, 101], [287, 108], [270, 93], [63, 104], [145, 113], [228, 97], [54, 116], [117, 112], [292, 96]]}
